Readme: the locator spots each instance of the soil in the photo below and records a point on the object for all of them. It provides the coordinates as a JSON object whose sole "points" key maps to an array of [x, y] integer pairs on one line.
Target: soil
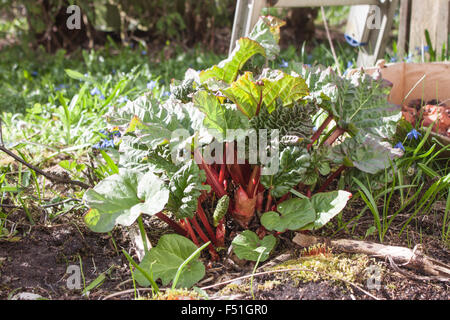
{"points": [[35, 260]]}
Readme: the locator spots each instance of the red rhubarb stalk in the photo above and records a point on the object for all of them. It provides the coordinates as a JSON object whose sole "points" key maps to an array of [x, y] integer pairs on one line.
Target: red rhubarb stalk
{"points": [[201, 214], [254, 180], [178, 229], [333, 137], [203, 236], [244, 207], [319, 131], [220, 233], [269, 202], [211, 176], [331, 178], [191, 232]]}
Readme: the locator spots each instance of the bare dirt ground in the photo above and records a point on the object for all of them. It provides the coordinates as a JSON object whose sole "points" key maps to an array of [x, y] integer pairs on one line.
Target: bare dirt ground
{"points": [[36, 260]]}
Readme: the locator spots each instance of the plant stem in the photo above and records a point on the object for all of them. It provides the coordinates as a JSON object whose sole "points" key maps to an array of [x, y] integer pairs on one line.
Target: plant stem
{"points": [[185, 262], [254, 181], [319, 131], [143, 233], [201, 214], [331, 178], [178, 229], [333, 137], [145, 273], [191, 231], [202, 235], [211, 177], [269, 202]]}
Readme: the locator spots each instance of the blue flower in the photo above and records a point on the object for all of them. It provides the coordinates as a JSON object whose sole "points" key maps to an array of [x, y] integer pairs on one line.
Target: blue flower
{"points": [[104, 144], [394, 59], [143, 52], [59, 87], [413, 134], [95, 91], [166, 94], [399, 146], [349, 64], [34, 74], [113, 71], [151, 85], [122, 99], [115, 133], [409, 58], [102, 97], [426, 48], [284, 64]]}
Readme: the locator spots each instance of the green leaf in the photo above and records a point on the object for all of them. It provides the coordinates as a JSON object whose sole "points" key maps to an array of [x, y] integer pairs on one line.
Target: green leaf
{"points": [[221, 209], [293, 163], [77, 75], [294, 214], [164, 260], [138, 109], [227, 70], [327, 205], [247, 93], [218, 116], [248, 246], [121, 198], [185, 187], [267, 33], [366, 153]]}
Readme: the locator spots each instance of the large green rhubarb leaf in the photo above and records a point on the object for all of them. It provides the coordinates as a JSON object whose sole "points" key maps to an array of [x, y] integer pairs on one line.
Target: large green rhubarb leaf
{"points": [[185, 187], [249, 93], [306, 214], [248, 246], [141, 108], [227, 70], [218, 116], [121, 198], [164, 260], [294, 214], [366, 153]]}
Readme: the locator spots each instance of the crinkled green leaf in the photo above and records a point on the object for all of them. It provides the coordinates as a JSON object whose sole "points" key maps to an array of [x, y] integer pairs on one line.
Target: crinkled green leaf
{"points": [[164, 260], [121, 198], [185, 187], [248, 246], [139, 108], [221, 209], [247, 93], [366, 153], [293, 163], [218, 116], [227, 70], [293, 215], [267, 33]]}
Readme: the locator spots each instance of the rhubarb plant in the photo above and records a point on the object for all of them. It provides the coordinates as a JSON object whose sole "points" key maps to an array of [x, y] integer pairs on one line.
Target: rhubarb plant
{"points": [[237, 141]]}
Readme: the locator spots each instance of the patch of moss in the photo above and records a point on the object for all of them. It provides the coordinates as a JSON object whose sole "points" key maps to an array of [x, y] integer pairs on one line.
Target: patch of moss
{"points": [[235, 288], [325, 267], [177, 294]]}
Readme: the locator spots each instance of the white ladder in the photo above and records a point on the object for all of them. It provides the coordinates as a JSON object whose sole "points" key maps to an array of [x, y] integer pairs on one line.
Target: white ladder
{"points": [[371, 36]]}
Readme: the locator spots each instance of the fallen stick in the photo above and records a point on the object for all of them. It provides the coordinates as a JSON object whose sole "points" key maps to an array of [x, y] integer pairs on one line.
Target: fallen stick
{"points": [[397, 256]]}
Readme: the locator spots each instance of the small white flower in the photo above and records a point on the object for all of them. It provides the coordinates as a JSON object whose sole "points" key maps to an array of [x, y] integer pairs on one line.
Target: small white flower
{"points": [[22, 125]]}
